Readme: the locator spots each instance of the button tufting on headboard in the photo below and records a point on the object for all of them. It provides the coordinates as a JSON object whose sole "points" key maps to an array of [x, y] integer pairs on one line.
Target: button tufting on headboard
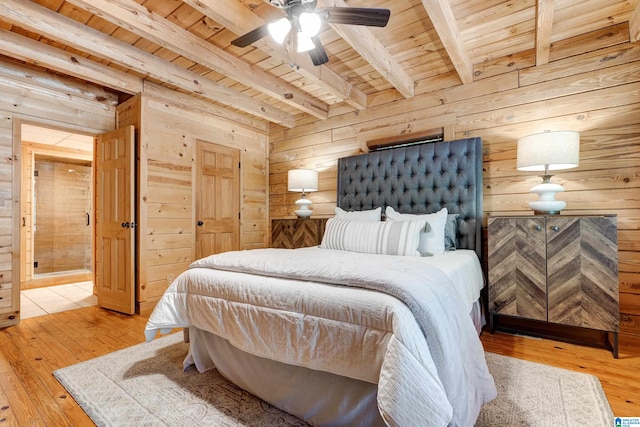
{"points": [[419, 179]]}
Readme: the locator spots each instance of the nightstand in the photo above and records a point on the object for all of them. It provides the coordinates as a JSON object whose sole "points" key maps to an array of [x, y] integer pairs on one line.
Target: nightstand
{"points": [[297, 233], [555, 271]]}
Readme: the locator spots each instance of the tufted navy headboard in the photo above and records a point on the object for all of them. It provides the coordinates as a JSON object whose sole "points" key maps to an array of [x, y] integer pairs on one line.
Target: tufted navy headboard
{"points": [[419, 179]]}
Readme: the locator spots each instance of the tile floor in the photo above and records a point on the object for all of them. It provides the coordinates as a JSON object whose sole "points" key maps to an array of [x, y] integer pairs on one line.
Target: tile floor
{"points": [[54, 299]]}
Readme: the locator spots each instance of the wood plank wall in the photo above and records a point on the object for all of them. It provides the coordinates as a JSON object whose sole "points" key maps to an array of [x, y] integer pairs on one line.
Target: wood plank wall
{"points": [[590, 85], [167, 135], [38, 97]]}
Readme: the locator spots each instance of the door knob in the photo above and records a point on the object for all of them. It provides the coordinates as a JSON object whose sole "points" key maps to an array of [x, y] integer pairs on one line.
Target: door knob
{"points": [[125, 225], [200, 223]]}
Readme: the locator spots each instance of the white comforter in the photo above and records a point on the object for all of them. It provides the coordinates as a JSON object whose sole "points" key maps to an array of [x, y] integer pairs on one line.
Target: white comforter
{"points": [[323, 309]]}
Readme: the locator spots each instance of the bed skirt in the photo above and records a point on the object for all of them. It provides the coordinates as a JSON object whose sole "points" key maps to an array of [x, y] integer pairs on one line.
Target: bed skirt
{"points": [[320, 398]]}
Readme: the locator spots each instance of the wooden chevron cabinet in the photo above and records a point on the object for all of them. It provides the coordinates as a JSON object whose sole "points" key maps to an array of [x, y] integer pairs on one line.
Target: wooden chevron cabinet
{"points": [[297, 233], [557, 269]]}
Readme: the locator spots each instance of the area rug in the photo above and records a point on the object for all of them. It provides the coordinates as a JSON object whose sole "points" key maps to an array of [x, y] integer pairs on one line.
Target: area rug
{"points": [[145, 385]]}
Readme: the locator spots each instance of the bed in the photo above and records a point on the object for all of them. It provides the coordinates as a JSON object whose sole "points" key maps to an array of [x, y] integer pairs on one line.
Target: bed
{"points": [[379, 324]]}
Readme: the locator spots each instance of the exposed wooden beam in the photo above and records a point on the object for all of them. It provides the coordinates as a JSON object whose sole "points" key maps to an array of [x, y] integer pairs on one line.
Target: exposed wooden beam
{"points": [[83, 93], [36, 53], [240, 19], [446, 26], [634, 24], [33, 17], [33, 52], [331, 81], [363, 41], [151, 26], [544, 24], [189, 102]]}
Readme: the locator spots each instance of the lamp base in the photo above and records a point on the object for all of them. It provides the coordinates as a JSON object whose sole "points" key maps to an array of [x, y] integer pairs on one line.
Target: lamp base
{"points": [[303, 210], [546, 212], [546, 209], [547, 203]]}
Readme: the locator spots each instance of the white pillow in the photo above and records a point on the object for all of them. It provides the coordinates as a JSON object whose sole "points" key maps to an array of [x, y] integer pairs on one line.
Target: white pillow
{"points": [[432, 238], [368, 215], [389, 238]]}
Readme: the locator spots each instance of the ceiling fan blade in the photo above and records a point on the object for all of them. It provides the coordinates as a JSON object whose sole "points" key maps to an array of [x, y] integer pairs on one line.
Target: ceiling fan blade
{"points": [[371, 17], [251, 37], [318, 54]]}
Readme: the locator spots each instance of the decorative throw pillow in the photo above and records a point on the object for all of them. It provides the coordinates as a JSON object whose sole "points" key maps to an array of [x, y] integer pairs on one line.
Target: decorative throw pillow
{"points": [[368, 215], [451, 232], [432, 238], [389, 238]]}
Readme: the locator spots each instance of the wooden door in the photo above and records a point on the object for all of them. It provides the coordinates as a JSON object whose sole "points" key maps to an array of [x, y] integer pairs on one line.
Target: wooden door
{"points": [[582, 257], [217, 199], [517, 267], [114, 155]]}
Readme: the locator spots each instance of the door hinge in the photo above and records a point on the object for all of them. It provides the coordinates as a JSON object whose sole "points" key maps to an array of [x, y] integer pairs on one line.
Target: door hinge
{"points": [[35, 264], [239, 215], [35, 173], [239, 165]]}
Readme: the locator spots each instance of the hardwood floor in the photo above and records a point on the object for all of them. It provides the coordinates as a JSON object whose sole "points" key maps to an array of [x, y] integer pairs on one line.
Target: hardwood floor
{"points": [[31, 351]]}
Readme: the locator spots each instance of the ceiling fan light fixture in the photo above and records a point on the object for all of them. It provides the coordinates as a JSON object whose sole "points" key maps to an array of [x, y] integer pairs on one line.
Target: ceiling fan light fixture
{"points": [[304, 23], [310, 23], [305, 43], [279, 29]]}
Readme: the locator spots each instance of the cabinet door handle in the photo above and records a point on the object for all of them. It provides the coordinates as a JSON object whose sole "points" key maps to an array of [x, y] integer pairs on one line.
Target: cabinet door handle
{"points": [[538, 227], [555, 228]]}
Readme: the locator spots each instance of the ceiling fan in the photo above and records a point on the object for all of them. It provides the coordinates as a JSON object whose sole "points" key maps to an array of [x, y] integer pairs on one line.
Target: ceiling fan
{"points": [[306, 22]]}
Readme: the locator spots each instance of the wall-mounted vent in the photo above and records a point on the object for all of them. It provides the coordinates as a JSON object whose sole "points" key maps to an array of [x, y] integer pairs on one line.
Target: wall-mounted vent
{"points": [[431, 135]]}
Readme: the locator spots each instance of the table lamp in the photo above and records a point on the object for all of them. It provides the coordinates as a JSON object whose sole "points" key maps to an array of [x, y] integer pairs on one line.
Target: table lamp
{"points": [[548, 151], [305, 181]]}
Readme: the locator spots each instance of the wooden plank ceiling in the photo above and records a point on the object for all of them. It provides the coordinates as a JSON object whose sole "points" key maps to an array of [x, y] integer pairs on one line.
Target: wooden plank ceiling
{"points": [[156, 46]]}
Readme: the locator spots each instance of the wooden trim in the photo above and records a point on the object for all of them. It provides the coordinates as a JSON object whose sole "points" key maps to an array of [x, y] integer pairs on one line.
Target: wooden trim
{"points": [[634, 24], [57, 279], [13, 317], [58, 152]]}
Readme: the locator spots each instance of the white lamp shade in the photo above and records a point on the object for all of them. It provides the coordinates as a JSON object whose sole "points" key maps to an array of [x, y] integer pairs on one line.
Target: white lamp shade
{"points": [[305, 43], [555, 150], [304, 180], [279, 29], [310, 23]]}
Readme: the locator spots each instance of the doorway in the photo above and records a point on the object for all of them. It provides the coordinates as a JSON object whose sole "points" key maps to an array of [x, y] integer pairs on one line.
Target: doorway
{"points": [[61, 222], [57, 221]]}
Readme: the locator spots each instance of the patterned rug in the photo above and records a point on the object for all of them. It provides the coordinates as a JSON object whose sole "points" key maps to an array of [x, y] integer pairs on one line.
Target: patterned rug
{"points": [[145, 385]]}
